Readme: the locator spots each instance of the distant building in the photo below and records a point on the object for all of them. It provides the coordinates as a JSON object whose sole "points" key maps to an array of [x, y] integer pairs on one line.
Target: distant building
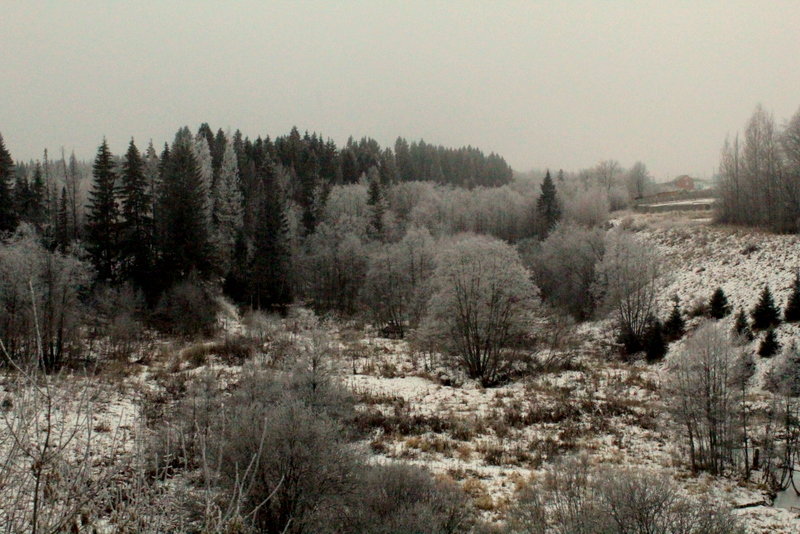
{"points": [[683, 183]]}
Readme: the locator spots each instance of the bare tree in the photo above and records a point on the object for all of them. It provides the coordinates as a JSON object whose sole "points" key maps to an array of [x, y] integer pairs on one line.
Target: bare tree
{"points": [[626, 284], [482, 300], [703, 397]]}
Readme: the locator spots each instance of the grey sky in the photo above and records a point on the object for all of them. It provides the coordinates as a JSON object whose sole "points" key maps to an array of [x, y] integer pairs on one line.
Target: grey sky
{"points": [[545, 84]]}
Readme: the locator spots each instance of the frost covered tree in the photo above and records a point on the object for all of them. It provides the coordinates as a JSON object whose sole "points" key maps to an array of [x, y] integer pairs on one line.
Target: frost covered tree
{"points": [[103, 218], [202, 155], [703, 398], [626, 284], [784, 375], [482, 300], [741, 327], [228, 212], [563, 267], [395, 285]]}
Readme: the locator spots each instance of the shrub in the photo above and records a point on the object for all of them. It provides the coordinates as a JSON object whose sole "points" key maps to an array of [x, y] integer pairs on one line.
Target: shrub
{"points": [[576, 499], [784, 375], [401, 498]]}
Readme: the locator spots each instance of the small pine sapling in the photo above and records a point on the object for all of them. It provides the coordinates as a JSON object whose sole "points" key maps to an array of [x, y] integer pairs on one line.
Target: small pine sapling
{"points": [[655, 345], [718, 305], [792, 312], [765, 314], [675, 326], [741, 327], [769, 345]]}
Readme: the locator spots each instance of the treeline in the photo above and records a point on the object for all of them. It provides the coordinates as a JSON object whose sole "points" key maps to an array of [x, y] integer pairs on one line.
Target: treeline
{"points": [[213, 205], [760, 175]]}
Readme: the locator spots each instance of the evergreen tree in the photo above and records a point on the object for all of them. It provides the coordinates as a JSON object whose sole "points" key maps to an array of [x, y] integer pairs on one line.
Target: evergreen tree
{"points": [[137, 225], [73, 186], [388, 168], [36, 205], [769, 345], [740, 326], [202, 155], [675, 326], [547, 207], [183, 232], [270, 265], [103, 217], [376, 205], [8, 215], [718, 306], [62, 233], [655, 345], [792, 312], [765, 314], [21, 196], [228, 214]]}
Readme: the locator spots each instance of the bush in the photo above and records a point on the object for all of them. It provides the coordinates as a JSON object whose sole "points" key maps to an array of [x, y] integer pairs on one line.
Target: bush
{"points": [[577, 499], [563, 266], [784, 375], [400, 498], [186, 309]]}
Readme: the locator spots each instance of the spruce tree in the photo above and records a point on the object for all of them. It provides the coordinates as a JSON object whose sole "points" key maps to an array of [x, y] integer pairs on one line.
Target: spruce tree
{"points": [[718, 305], [769, 345], [8, 215], [228, 212], [62, 233], [202, 155], [270, 265], [136, 229], [376, 205], [792, 312], [741, 327], [183, 232], [547, 207], [655, 345], [675, 326], [36, 205], [765, 314], [103, 216]]}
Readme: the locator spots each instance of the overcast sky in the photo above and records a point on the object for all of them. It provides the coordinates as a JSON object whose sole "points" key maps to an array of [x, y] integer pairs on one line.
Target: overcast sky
{"points": [[560, 84]]}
